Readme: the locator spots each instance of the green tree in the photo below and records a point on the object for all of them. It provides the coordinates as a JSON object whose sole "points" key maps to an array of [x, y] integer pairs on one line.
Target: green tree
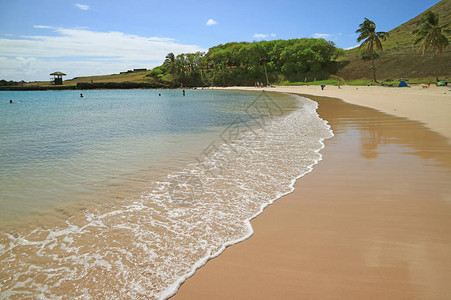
{"points": [[260, 54], [430, 35], [371, 40], [245, 63], [170, 63], [220, 57], [307, 58]]}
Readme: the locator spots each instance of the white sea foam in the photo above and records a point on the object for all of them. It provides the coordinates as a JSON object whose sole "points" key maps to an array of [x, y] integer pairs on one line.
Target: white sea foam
{"points": [[146, 248]]}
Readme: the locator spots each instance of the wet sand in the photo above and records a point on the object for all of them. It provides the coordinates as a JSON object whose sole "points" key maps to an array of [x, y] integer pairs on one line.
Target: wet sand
{"points": [[431, 106], [372, 221]]}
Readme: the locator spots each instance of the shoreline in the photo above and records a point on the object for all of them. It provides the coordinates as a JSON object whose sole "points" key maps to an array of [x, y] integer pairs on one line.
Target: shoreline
{"points": [[308, 234], [431, 106], [175, 287]]}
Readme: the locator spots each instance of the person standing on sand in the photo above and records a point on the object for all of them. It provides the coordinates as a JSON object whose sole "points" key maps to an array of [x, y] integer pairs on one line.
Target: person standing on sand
{"points": [[339, 84], [322, 87]]}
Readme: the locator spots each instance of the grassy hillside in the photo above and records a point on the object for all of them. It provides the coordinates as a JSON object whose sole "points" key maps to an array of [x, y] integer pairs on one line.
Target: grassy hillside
{"points": [[138, 77], [399, 58]]}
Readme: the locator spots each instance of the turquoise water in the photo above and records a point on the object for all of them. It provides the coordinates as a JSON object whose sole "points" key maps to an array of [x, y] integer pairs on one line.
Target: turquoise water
{"points": [[58, 148], [123, 194]]}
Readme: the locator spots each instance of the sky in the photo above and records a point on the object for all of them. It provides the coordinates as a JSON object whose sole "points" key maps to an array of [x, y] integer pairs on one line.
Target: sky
{"points": [[98, 37]]}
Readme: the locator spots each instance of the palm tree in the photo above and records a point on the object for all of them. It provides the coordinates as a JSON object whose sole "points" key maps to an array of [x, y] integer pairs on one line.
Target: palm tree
{"points": [[171, 62], [430, 35], [371, 39]]}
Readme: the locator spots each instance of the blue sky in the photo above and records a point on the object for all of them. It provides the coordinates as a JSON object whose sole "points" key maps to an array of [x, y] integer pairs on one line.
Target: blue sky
{"points": [[99, 37]]}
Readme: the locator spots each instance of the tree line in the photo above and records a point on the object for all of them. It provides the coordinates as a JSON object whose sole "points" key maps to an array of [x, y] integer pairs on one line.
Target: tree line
{"points": [[244, 63], [11, 83]]}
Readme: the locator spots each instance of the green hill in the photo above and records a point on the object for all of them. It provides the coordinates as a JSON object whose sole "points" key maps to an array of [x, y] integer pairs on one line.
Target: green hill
{"points": [[400, 59], [135, 76]]}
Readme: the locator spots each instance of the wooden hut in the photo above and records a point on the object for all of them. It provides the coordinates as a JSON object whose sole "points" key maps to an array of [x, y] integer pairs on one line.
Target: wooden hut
{"points": [[58, 78]]}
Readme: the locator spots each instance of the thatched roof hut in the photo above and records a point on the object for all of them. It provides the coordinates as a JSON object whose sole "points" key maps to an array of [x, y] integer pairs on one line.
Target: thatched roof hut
{"points": [[58, 74], [58, 77]]}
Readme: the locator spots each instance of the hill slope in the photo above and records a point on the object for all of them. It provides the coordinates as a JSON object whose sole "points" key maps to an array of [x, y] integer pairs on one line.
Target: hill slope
{"points": [[137, 76], [399, 58]]}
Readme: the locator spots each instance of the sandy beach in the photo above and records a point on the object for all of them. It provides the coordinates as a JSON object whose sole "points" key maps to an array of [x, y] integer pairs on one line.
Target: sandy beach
{"points": [[373, 219]]}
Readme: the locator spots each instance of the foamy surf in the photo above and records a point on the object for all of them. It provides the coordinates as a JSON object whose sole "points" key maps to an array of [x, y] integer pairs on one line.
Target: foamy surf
{"points": [[146, 248]]}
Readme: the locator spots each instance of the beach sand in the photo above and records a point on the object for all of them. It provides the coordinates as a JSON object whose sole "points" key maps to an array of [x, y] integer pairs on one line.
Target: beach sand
{"points": [[373, 219]]}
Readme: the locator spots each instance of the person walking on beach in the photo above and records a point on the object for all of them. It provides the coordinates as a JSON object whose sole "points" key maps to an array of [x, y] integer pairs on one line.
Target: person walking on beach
{"points": [[339, 84], [322, 87]]}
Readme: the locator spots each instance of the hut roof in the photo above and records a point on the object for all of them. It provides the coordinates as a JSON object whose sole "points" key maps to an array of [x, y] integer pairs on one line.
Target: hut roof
{"points": [[58, 73]]}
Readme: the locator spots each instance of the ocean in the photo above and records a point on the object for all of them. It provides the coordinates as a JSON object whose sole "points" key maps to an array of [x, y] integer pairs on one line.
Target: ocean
{"points": [[125, 193]]}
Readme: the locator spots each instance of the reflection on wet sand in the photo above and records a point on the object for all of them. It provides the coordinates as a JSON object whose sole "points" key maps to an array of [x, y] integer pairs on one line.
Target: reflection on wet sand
{"points": [[378, 129]]}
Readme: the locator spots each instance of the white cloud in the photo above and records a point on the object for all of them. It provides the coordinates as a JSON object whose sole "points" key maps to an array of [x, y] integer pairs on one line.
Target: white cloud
{"points": [[98, 52], [260, 35], [321, 35], [328, 36], [82, 6], [263, 35], [83, 42], [43, 27], [211, 22]]}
